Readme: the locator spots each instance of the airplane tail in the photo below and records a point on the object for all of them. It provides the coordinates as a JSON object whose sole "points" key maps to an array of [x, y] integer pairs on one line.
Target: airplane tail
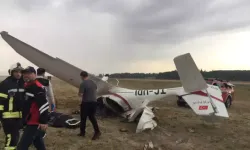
{"points": [[204, 99]]}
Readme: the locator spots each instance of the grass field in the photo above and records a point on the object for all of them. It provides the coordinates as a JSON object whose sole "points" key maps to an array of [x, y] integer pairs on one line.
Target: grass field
{"points": [[178, 128]]}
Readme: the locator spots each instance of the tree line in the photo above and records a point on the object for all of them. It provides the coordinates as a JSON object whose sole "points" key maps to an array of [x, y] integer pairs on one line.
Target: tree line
{"points": [[232, 75]]}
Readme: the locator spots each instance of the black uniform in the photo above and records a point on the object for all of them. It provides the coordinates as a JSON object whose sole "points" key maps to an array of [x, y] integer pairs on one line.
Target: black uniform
{"points": [[35, 112], [11, 104]]}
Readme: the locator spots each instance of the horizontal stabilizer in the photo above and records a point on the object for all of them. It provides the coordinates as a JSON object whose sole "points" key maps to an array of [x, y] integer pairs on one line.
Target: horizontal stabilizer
{"points": [[201, 103], [217, 100]]}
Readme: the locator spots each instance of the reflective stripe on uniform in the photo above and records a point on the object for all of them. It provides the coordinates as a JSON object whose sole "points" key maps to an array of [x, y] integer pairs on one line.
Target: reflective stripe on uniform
{"points": [[10, 148], [44, 107], [11, 103], [1, 107], [29, 94], [15, 90], [8, 140], [21, 90], [7, 146], [17, 114], [12, 90], [3, 95]]}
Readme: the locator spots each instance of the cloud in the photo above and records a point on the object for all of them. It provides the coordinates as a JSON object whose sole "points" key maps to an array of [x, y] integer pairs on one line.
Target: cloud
{"points": [[91, 32], [157, 21], [171, 21]]}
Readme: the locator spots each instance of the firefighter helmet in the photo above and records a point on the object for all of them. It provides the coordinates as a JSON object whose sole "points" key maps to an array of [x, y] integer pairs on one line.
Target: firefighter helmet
{"points": [[15, 67]]}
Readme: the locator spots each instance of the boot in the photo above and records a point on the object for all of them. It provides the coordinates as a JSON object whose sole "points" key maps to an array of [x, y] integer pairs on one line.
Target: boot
{"points": [[96, 135], [81, 134]]}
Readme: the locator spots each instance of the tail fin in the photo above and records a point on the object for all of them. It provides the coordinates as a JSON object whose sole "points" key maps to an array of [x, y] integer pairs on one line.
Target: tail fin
{"points": [[204, 99], [189, 74]]}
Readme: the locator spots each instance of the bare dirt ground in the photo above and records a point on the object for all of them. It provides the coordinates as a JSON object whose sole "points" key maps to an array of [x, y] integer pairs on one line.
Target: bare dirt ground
{"points": [[178, 128]]}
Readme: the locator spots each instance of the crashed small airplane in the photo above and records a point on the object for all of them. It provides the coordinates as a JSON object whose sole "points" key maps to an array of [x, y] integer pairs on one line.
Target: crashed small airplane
{"points": [[204, 99]]}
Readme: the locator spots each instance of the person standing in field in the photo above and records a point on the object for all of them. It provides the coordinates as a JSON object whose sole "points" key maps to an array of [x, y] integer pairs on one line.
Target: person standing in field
{"points": [[87, 92], [35, 112], [11, 105], [48, 87]]}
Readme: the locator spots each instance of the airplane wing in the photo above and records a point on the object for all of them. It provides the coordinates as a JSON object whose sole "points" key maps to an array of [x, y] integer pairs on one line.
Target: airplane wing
{"points": [[54, 66]]}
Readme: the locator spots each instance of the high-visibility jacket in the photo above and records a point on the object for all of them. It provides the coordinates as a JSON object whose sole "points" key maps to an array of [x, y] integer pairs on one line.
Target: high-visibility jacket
{"points": [[11, 98]]}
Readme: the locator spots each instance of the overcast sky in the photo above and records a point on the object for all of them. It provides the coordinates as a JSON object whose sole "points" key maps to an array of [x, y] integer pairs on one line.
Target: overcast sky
{"points": [[110, 36]]}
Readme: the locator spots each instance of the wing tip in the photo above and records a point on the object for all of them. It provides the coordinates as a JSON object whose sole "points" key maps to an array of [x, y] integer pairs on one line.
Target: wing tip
{"points": [[4, 32]]}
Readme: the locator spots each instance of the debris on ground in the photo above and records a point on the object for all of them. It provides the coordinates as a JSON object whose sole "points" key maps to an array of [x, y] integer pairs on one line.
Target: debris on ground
{"points": [[150, 146], [191, 130], [123, 130], [180, 140], [164, 131], [76, 112]]}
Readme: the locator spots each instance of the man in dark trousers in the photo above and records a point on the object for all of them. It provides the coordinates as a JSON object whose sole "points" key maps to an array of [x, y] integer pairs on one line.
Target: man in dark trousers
{"points": [[87, 92], [11, 104], [35, 112]]}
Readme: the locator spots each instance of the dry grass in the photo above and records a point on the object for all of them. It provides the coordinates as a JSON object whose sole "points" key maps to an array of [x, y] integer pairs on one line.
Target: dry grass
{"points": [[173, 131]]}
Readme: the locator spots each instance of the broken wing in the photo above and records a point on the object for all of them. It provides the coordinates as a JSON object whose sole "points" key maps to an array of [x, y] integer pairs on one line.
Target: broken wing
{"points": [[69, 73]]}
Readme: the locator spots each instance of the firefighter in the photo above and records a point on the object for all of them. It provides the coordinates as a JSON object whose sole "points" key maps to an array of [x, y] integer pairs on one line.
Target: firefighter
{"points": [[35, 112], [48, 86], [11, 104]]}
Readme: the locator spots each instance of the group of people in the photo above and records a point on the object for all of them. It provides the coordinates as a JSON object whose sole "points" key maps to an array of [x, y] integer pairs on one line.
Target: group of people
{"points": [[26, 98]]}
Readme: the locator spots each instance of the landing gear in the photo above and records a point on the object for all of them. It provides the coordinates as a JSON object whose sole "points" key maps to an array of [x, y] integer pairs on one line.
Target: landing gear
{"points": [[181, 102], [228, 102]]}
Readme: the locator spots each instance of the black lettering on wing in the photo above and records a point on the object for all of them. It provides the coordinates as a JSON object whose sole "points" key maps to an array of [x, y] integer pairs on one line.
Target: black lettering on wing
{"points": [[139, 92], [158, 91], [163, 91]]}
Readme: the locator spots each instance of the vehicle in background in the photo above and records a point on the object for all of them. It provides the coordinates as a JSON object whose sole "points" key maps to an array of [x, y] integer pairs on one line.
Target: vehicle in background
{"points": [[226, 87]]}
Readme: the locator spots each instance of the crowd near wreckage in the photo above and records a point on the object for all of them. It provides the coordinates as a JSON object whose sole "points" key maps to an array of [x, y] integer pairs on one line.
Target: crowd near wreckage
{"points": [[204, 99]]}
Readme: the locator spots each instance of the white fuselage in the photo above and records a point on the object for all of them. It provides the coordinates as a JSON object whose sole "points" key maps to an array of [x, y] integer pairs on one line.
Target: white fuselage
{"points": [[131, 99]]}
